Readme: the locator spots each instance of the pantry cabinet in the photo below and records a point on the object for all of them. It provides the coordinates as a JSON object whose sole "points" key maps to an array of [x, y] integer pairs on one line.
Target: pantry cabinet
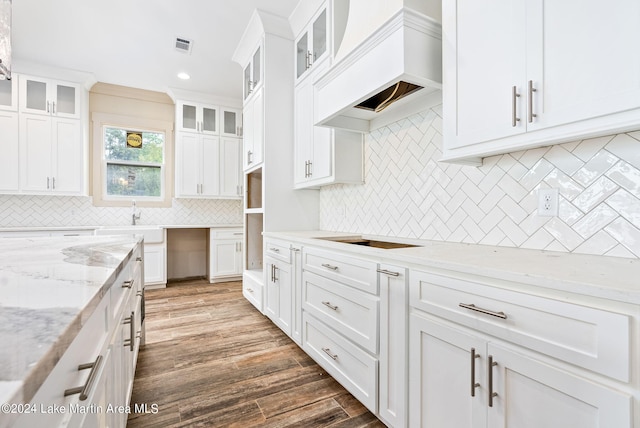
{"points": [[537, 77]]}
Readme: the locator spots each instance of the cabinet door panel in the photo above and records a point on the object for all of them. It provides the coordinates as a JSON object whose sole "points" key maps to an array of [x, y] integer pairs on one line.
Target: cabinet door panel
{"points": [[210, 184], [258, 127], [303, 129], [580, 73], [67, 156], [490, 33], [35, 143], [440, 376], [230, 166], [9, 151], [189, 164], [532, 395]]}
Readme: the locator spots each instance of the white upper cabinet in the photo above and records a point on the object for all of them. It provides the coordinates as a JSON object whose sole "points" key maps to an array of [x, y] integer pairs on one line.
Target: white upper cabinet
{"points": [[9, 94], [253, 140], [311, 45], [9, 152], [252, 77], [230, 122], [196, 117], [49, 97], [542, 75]]}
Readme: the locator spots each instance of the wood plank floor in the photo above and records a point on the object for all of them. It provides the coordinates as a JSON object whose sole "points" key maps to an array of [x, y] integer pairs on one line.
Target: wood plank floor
{"points": [[212, 360]]}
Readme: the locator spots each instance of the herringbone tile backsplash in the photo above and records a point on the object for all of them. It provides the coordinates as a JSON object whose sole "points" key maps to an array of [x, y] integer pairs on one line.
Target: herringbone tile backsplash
{"points": [[60, 211], [409, 193]]}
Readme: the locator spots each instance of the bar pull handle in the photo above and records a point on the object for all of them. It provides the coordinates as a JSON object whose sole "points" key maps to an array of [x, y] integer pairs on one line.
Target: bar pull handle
{"points": [[514, 107], [474, 384], [47, 182], [275, 250], [388, 272], [128, 284], [473, 307], [53, 183], [328, 266], [138, 259], [490, 367], [132, 330], [84, 390], [531, 91], [53, 107], [328, 352], [250, 290], [330, 306]]}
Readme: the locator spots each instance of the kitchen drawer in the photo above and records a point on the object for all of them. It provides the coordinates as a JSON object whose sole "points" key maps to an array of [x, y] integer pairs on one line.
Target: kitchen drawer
{"points": [[252, 291], [226, 233], [588, 337], [356, 370], [359, 273], [351, 312], [279, 250], [90, 342]]}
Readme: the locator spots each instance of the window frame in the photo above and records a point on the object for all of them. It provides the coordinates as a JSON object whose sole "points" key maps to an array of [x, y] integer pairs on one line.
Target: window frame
{"points": [[100, 122]]}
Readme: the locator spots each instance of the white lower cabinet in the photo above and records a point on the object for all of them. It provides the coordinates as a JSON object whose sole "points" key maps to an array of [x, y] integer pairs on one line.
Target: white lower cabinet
{"points": [[463, 379], [354, 368], [225, 255], [481, 356], [278, 297], [155, 264], [95, 374]]}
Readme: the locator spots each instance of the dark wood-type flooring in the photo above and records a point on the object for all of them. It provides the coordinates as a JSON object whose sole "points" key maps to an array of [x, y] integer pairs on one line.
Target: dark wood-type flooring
{"points": [[212, 360]]}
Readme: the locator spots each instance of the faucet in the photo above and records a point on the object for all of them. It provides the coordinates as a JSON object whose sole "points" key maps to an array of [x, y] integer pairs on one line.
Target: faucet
{"points": [[135, 214]]}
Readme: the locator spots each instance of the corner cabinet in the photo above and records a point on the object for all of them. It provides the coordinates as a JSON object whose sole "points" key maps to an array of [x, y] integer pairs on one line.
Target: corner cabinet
{"points": [[538, 78]]}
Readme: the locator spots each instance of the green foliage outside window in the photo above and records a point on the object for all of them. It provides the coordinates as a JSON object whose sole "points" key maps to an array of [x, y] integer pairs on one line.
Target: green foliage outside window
{"points": [[133, 171]]}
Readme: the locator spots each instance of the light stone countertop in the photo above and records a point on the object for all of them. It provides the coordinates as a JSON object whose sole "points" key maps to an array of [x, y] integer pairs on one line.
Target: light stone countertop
{"points": [[613, 278], [49, 287]]}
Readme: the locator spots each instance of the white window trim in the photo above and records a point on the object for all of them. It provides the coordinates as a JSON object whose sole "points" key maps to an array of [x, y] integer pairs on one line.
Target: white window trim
{"points": [[101, 120]]}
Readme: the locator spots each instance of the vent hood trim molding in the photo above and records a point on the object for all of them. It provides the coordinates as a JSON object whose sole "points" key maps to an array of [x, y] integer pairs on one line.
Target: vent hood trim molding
{"points": [[333, 105]]}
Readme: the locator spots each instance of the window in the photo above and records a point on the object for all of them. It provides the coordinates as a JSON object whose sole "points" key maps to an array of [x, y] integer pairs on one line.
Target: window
{"points": [[134, 163], [141, 170]]}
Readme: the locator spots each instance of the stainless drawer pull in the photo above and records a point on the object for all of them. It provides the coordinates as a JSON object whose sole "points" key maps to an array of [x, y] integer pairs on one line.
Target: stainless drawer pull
{"points": [[250, 290], [531, 91], [138, 259], [328, 266], [132, 330], [490, 367], [275, 250], [483, 311], [127, 284], [330, 306], [328, 352], [514, 117], [388, 272], [84, 390], [474, 384]]}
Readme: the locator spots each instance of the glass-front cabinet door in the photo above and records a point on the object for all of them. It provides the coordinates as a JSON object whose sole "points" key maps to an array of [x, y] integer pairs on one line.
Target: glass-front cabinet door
{"points": [[230, 122], [194, 117], [253, 73], [49, 97], [311, 45], [9, 94]]}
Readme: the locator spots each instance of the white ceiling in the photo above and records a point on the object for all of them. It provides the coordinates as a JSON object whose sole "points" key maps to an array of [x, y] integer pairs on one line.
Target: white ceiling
{"points": [[131, 42]]}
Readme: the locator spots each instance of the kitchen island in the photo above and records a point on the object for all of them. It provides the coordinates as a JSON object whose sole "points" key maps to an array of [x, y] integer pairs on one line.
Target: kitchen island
{"points": [[50, 288]]}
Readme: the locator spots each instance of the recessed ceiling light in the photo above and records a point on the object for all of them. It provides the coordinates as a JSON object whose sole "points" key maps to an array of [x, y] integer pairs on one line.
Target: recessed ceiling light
{"points": [[183, 76]]}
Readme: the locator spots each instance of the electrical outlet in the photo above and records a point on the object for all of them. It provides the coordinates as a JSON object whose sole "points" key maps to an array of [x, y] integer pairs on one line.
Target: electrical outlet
{"points": [[548, 202]]}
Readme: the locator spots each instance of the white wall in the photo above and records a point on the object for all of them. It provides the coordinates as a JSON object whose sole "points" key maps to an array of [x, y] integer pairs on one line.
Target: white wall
{"points": [[409, 193]]}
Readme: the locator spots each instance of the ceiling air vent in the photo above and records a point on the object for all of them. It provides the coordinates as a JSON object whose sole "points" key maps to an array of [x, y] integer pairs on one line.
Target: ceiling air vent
{"points": [[183, 45]]}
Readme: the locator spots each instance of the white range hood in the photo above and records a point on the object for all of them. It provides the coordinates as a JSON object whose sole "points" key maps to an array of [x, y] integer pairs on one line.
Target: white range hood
{"points": [[401, 56]]}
